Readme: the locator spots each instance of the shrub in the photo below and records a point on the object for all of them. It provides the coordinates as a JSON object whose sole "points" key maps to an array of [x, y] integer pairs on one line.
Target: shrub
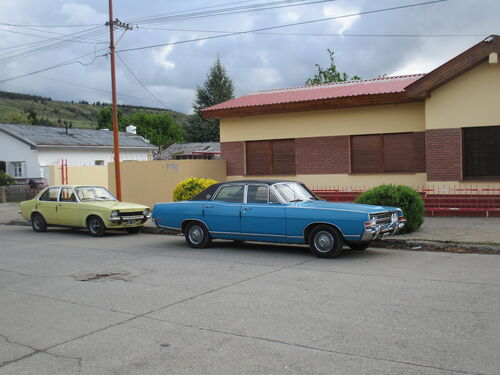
{"points": [[400, 196], [5, 179], [191, 186]]}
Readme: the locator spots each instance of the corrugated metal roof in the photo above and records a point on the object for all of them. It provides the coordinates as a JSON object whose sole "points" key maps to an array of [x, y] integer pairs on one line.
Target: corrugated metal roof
{"points": [[383, 85], [50, 136], [189, 149]]}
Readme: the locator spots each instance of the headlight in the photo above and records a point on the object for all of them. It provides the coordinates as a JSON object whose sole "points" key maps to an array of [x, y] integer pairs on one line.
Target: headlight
{"points": [[373, 222], [394, 217], [115, 213], [146, 212]]}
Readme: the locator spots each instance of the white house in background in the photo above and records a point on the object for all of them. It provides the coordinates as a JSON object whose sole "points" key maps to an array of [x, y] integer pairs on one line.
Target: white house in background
{"points": [[27, 150]]}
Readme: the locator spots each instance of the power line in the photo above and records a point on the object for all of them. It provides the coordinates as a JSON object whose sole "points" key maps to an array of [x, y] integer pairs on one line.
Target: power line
{"points": [[224, 11], [55, 26], [140, 82], [285, 25], [322, 34], [64, 63]]}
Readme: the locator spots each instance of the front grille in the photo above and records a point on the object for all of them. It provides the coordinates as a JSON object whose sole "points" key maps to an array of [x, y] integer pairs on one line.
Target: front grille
{"points": [[135, 213], [383, 218]]}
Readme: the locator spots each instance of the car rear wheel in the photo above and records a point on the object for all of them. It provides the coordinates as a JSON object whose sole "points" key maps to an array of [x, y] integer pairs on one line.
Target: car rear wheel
{"points": [[38, 223], [325, 241], [359, 245], [197, 235], [95, 226]]}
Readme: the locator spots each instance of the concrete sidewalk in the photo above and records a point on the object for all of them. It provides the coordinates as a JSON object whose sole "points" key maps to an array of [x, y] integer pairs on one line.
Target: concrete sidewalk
{"points": [[437, 233]]}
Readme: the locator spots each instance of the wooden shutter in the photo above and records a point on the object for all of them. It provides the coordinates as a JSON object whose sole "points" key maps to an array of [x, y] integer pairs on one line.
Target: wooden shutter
{"points": [[258, 157], [481, 152], [399, 152], [366, 153], [283, 156]]}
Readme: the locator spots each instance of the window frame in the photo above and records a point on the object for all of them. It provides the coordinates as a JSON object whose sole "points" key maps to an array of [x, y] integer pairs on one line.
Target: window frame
{"points": [[271, 162], [465, 154], [382, 150]]}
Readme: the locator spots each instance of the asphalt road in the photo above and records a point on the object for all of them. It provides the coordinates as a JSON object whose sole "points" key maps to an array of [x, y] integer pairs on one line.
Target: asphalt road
{"points": [[148, 304]]}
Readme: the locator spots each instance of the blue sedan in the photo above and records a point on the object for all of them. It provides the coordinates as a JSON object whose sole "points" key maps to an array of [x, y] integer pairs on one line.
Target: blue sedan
{"points": [[276, 211]]}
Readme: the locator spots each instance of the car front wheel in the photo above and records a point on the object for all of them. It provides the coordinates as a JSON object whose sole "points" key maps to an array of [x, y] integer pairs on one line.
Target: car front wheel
{"points": [[95, 226], [197, 235], [325, 241], [38, 223]]}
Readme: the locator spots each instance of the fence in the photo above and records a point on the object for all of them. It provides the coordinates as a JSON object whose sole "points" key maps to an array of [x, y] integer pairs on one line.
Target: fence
{"points": [[438, 201], [17, 193]]}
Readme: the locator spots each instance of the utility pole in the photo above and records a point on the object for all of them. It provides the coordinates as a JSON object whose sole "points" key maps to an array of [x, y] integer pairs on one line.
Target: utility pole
{"points": [[112, 24]]}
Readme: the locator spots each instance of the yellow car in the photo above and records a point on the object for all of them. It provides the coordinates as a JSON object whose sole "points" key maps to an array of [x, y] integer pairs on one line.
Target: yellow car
{"points": [[92, 207]]}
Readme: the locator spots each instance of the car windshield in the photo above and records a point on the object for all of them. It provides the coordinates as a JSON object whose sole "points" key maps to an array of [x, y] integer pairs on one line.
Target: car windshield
{"points": [[295, 192], [94, 193]]}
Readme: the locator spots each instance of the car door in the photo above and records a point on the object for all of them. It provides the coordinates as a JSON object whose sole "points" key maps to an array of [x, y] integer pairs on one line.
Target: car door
{"points": [[262, 215], [222, 214], [68, 212], [47, 204]]}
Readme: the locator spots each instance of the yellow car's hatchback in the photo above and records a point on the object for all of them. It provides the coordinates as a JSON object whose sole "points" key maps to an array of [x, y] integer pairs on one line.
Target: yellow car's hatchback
{"points": [[91, 207]]}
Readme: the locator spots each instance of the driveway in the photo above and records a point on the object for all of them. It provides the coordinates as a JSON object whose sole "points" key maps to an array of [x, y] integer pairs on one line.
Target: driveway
{"points": [[148, 304]]}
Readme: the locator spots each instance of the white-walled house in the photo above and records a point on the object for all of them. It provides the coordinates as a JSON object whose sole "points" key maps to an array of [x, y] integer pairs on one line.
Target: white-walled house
{"points": [[27, 150]]}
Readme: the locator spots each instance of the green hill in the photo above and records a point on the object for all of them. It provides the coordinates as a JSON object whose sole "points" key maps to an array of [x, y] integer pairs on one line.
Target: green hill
{"points": [[52, 112]]}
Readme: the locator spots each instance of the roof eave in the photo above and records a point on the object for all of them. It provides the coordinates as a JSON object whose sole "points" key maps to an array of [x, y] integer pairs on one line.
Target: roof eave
{"points": [[310, 105], [455, 67]]}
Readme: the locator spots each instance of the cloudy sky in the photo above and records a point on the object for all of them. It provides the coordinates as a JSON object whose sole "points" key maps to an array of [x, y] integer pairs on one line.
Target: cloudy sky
{"points": [[381, 41]]}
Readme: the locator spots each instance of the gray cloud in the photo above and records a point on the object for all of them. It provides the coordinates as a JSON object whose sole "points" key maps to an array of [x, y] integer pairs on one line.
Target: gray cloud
{"points": [[254, 62]]}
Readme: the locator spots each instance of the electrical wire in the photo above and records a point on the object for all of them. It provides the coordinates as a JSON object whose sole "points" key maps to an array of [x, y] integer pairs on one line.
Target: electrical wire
{"points": [[59, 65], [284, 26], [230, 11], [140, 82]]}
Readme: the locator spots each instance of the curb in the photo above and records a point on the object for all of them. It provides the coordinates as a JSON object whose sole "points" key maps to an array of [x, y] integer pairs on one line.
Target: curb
{"points": [[438, 246]]}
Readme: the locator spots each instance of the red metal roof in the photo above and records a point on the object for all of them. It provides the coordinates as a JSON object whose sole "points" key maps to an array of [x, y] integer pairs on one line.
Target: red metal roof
{"points": [[383, 85]]}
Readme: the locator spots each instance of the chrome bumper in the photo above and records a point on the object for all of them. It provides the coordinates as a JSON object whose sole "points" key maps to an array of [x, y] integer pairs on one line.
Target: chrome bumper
{"points": [[381, 232], [119, 219]]}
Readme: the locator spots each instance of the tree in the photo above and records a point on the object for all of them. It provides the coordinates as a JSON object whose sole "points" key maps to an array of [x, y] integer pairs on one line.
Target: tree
{"points": [[330, 74], [160, 128], [16, 117], [218, 88]]}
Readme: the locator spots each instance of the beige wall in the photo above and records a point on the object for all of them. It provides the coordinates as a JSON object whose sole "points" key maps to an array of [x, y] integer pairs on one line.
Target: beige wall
{"points": [[472, 99], [97, 175], [149, 182], [348, 182], [348, 121]]}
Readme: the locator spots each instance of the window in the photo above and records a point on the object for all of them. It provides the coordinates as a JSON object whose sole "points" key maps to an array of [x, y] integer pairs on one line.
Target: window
{"points": [[383, 153], [3, 167], [270, 157], [481, 152], [99, 162], [67, 195], [231, 194], [18, 169], [50, 195]]}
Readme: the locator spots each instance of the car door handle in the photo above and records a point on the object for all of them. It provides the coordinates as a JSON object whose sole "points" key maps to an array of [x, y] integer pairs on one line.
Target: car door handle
{"points": [[247, 208], [208, 206]]}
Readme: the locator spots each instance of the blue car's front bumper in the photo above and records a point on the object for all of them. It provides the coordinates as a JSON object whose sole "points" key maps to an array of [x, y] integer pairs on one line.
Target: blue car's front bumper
{"points": [[382, 231]]}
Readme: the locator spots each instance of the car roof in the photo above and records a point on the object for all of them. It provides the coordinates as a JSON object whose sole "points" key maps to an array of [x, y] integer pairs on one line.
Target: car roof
{"points": [[209, 191]]}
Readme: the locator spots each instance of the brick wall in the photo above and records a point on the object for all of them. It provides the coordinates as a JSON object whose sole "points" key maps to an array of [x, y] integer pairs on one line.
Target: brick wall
{"points": [[444, 154], [420, 166], [322, 155], [233, 153]]}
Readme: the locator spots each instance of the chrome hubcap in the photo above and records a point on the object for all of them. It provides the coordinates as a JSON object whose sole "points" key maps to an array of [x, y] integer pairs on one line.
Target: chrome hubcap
{"points": [[323, 242], [196, 235], [37, 222]]}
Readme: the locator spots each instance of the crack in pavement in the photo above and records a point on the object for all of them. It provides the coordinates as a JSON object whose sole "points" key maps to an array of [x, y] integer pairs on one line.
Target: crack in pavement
{"points": [[35, 351], [397, 277], [302, 346], [45, 350]]}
